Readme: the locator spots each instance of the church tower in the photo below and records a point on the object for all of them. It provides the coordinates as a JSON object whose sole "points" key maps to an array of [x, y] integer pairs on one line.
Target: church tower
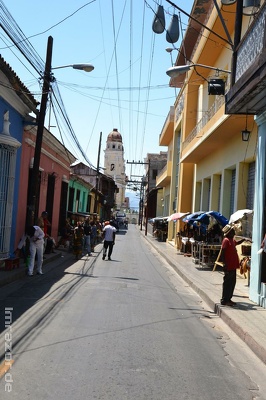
{"points": [[114, 164]]}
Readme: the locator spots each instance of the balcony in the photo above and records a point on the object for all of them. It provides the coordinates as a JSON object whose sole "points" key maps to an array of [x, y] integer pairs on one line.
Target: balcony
{"points": [[211, 132], [164, 178], [248, 94], [167, 132]]}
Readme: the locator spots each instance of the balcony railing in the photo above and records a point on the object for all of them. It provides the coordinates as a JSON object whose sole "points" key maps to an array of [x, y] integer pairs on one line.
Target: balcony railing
{"points": [[170, 118], [219, 101], [162, 171], [179, 107], [252, 44], [165, 174], [246, 95]]}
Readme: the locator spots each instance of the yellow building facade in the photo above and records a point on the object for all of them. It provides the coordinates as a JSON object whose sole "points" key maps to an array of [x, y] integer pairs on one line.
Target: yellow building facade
{"points": [[210, 166]]}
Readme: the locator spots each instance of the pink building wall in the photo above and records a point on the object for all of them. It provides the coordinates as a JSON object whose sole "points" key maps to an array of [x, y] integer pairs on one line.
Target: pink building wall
{"points": [[54, 159]]}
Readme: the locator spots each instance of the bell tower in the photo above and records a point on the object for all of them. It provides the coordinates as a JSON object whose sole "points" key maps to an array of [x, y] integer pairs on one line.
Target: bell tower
{"points": [[114, 164]]}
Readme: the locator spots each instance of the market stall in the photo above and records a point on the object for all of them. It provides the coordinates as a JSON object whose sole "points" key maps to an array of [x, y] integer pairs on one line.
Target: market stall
{"points": [[203, 232], [160, 228]]}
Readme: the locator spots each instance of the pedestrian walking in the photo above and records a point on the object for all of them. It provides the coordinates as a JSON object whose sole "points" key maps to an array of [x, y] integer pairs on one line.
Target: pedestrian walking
{"points": [[229, 257], [36, 237], [109, 232], [87, 236]]}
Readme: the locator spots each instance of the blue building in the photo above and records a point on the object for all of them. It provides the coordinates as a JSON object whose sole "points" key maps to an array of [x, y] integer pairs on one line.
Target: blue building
{"points": [[16, 103]]}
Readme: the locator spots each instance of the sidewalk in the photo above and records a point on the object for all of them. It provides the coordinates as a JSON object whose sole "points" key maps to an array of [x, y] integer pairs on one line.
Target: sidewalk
{"points": [[7, 276], [248, 320]]}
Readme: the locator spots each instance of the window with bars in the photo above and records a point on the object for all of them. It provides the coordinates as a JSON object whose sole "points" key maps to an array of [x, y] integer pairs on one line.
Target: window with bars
{"points": [[7, 178], [251, 186], [232, 194]]}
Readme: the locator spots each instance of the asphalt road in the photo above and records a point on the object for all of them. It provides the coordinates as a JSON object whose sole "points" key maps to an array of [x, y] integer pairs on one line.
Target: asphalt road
{"points": [[123, 329]]}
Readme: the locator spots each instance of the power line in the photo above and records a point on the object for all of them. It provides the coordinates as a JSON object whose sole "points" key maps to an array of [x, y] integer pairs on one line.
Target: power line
{"points": [[22, 43]]}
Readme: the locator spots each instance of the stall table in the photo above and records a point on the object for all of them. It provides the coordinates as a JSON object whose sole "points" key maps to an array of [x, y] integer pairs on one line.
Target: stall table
{"points": [[195, 246], [208, 253]]}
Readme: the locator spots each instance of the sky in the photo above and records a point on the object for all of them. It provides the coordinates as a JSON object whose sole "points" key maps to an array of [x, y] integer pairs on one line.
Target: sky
{"points": [[128, 88]]}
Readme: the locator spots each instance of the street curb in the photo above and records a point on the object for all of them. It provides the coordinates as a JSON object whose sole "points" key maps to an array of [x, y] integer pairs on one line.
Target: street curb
{"points": [[242, 334], [257, 349]]}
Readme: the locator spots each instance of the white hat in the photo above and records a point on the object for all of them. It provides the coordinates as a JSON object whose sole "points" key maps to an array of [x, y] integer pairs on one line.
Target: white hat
{"points": [[227, 229]]}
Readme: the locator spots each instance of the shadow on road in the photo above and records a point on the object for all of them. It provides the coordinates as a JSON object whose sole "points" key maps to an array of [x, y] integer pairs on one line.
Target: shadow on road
{"points": [[27, 291]]}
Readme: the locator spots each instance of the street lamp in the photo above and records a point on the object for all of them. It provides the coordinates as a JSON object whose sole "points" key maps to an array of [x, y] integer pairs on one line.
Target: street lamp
{"points": [[215, 86], [245, 135], [83, 67], [169, 50], [47, 79], [173, 72]]}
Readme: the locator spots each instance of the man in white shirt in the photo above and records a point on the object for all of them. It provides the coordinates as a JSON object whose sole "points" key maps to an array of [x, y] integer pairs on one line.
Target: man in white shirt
{"points": [[109, 239], [36, 238]]}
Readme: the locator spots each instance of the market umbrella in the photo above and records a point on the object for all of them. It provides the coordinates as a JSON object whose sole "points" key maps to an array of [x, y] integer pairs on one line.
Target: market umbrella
{"points": [[176, 216], [190, 218], [238, 215], [212, 217]]}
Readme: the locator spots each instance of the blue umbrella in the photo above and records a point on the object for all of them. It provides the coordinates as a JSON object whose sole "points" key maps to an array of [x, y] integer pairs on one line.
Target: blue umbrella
{"points": [[192, 217], [204, 218]]}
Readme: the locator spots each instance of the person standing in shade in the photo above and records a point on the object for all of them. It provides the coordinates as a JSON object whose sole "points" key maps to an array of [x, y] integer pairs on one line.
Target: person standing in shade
{"points": [[78, 240], [109, 232], [43, 222], [230, 259], [87, 236], [36, 237], [45, 225], [93, 235]]}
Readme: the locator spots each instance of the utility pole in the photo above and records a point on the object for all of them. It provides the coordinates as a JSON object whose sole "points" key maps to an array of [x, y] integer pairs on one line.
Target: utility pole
{"points": [[238, 30], [147, 194], [97, 176], [34, 181], [142, 195]]}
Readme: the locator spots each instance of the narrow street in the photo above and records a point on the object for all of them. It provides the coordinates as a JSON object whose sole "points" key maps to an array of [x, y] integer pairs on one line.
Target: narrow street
{"points": [[124, 329]]}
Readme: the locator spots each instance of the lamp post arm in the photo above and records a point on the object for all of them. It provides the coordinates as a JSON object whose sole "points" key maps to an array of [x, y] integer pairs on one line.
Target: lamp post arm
{"points": [[34, 182], [209, 67]]}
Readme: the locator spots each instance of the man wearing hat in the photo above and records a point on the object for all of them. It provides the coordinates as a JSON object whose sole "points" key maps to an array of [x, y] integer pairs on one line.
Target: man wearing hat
{"points": [[229, 257]]}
